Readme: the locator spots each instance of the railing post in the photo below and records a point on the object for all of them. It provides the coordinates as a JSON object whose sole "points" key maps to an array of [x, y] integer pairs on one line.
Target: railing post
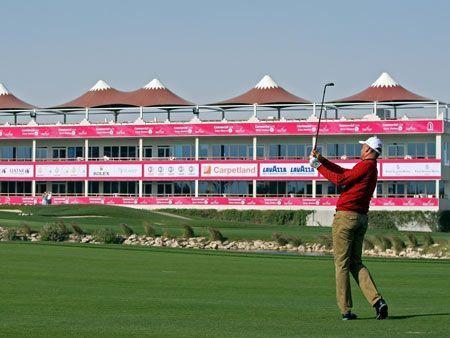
{"points": [[33, 151], [314, 188], [141, 149], [196, 148]]}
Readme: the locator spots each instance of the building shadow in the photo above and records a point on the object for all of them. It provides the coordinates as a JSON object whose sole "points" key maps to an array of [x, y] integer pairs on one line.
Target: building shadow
{"points": [[419, 315]]}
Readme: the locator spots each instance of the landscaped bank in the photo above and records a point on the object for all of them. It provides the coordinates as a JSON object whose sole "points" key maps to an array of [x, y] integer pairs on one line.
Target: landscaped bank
{"points": [[377, 246]]}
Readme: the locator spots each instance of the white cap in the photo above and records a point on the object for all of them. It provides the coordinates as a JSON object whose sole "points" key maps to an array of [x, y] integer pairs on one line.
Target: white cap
{"points": [[374, 143]]}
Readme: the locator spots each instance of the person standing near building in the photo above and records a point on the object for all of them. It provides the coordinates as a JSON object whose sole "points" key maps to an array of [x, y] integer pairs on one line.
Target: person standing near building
{"points": [[350, 225]]}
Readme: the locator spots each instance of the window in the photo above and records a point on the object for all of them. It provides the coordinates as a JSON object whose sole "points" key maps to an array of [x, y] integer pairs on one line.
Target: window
{"points": [[74, 152], [94, 152], [75, 188], [396, 150], [296, 151], [422, 150], [122, 188], [59, 188], [23, 153], [183, 151], [335, 150], [271, 188], [7, 152], [296, 188], [164, 151], [41, 187], [259, 151], [379, 189], [41, 153], [94, 187], [111, 151], [396, 189], [203, 151], [277, 151], [183, 188], [421, 188], [164, 189], [59, 152], [147, 188], [309, 149], [148, 152], [333, 189]]}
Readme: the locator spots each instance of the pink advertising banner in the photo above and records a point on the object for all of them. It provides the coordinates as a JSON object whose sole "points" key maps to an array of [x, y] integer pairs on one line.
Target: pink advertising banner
{"points": [[397, 169], [212, 201], [223, 129]]}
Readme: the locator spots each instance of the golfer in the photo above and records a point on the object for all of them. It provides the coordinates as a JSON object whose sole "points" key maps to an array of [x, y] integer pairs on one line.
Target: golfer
{"points": [[350, 224]]}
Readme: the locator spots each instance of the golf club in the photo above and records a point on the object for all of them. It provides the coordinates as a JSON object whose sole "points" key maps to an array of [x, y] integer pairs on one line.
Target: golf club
{"points": [[330, 84]]}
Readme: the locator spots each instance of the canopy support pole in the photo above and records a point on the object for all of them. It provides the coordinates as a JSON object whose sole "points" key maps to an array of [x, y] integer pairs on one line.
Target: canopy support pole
{"points": [[314, 109], [65, 118], [223, 115], [255, 110], [116, 115], [15, 118], [437, 109], [141, 113], [279, 113], [375, 108], [86, 115], [168, 115]]}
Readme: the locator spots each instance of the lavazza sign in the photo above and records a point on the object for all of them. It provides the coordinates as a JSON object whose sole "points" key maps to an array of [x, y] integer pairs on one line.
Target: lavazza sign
{"points": [[286, 169]]}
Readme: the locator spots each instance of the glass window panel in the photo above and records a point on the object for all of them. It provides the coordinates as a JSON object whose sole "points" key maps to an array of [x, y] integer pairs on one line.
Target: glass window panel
{"points": [[23, 152], [216, 151], [411, 149], [234, 151], [242, 151], [431, 150], [148, 152], [420, 150], [123, 151], [273, 151], [203, 150]]}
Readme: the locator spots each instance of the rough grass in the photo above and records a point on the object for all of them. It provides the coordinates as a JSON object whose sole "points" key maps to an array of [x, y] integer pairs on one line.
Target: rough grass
{"points": [[109, 291]]}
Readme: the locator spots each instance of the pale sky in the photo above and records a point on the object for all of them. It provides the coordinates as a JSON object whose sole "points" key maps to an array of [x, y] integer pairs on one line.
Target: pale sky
{"points": [[53, 51]]}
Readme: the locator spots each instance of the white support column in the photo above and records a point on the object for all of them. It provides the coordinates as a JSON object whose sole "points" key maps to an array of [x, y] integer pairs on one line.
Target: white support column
{"points": [[314, 188], [375, 108], [437, 109], [86, 188], [140, 186], [255, 109], [33, 150], [141, 113], [196, 188], [254, 189], [374, 195], [86, 114], [438, 146], [86, 149], [437, 189], [197, 148], [33, 188], [314, 109], [255, 147], [141, 149]]}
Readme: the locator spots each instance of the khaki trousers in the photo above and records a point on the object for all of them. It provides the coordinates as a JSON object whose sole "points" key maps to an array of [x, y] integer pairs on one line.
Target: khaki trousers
{"points": [[349, 229]]}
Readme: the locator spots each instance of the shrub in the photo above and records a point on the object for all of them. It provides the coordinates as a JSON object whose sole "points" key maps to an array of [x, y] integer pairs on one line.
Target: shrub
{"points": [[63, 228], [383, 243], [444, 221], [54, 233], [188, 232], [295, 241], [277, 217], [412, 240], [216, 235], [77, 230], [280, 239], [397, 244], [107, 236], [127, 230], [326, 240], [428, 240], [149, 230], [11, 234], [25, 229], [368, 244]]}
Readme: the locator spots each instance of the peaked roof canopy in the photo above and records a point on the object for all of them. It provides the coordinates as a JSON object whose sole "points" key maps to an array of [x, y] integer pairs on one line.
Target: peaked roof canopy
{"points": [[266, 91], [8, 101], [100, 95], [384, 89], [155, 94]]}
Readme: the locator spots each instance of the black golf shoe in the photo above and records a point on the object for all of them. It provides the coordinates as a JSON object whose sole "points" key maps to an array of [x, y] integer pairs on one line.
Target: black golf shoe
{"points": [[349, 316], [382, 309]]}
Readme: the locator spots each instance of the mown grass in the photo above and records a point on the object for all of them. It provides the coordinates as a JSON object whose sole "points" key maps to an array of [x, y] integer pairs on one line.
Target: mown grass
{"points": [[92, 290]]}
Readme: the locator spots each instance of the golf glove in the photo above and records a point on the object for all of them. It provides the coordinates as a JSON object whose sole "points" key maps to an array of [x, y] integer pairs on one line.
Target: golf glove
{"points": [[314, 162]]}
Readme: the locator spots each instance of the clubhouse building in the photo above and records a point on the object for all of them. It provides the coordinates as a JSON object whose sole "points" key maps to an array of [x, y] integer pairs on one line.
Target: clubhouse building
{"points": [[155, 149]]}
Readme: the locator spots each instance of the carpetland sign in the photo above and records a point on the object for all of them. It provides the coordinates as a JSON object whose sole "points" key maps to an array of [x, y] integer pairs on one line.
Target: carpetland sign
{"points": [[16, 171], [236, 170], [286, 170]]}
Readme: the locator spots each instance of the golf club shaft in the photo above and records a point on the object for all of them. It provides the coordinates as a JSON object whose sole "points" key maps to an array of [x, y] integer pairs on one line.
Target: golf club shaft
{"points": [[320, 114]]}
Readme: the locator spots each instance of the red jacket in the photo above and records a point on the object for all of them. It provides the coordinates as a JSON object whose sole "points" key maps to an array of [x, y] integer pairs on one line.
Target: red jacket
{"points": [[358, 184]]}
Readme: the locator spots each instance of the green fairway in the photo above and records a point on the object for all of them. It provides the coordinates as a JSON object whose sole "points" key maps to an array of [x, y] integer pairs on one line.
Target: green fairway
{"points": [[113, 216], [68, 290]]}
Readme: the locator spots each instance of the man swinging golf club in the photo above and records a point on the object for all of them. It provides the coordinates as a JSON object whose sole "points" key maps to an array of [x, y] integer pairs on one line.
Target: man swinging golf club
{"points": [[350, 224]]}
